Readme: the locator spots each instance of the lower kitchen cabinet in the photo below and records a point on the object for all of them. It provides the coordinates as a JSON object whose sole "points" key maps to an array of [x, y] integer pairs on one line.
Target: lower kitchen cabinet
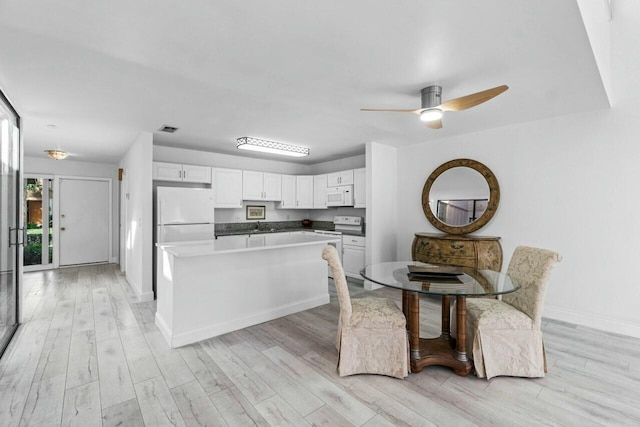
{"points": [[353, 248]]}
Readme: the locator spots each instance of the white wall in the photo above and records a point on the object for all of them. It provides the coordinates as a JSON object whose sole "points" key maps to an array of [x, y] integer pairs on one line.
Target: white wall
{"points": [[137, 201], [382, 205], [68, 167], [568, 184], [353, 162], [271, 213]]}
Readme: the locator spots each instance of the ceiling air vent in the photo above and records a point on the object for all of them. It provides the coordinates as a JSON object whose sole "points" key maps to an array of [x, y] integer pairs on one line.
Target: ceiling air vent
{"points": [[168, 129]]}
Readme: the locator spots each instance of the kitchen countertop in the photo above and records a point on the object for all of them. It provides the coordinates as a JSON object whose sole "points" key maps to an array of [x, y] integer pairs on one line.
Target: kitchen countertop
{"points": [[243, 243], [276, 231]]}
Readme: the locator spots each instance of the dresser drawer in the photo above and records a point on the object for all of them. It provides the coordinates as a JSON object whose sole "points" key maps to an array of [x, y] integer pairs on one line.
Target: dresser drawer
{"points": [[445, 249], [464, 251]]}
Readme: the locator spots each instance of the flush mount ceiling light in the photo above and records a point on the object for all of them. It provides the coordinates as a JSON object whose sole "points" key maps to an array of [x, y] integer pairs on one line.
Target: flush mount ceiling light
{"points": [[57, 154], [264, 146]]}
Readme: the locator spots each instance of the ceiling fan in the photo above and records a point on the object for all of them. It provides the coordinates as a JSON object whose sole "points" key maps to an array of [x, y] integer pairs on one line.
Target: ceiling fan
{"points": [[433, 107]]}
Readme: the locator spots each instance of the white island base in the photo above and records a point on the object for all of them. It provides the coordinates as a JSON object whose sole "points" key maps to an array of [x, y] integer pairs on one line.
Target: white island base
{"points": [[209, 288]]}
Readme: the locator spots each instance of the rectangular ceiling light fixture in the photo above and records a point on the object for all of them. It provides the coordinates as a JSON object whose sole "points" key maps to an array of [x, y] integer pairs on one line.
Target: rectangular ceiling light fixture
{"points": [[264, 146]]}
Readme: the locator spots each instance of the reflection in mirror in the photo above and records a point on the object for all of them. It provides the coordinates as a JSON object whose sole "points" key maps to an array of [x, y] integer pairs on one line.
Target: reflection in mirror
{"points": [[459, 196], [460, 212]]}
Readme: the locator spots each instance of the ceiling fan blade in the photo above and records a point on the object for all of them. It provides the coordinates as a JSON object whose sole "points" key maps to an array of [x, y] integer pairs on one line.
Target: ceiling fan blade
{"points": [[418, 111], [464, 102], [434, 124]]}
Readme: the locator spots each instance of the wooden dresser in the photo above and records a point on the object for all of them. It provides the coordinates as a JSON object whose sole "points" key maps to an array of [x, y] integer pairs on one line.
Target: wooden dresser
{"points": [[481, 252]]}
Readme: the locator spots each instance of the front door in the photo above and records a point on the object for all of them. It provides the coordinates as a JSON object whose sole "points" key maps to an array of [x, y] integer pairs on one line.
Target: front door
{"points": [[11, 237], [84, 221]]}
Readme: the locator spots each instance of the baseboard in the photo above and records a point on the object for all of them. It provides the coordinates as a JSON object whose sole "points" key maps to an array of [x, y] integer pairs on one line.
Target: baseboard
{"points": [[595, 322], [164, 328], [142, 296], [213, 330], [145, 297], [113, 260]]}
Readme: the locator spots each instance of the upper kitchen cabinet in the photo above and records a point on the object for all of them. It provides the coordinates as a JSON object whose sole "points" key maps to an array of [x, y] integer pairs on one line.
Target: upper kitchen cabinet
{"points": [[304, 192], [261, 186], [360, 188], [184, 173], [227, 184], [320, 191], [297, 192], [288, 192], [340, 178]]}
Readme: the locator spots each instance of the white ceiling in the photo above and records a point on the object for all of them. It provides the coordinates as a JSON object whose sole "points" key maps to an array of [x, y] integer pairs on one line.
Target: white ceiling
{"points": [[293, 71]]}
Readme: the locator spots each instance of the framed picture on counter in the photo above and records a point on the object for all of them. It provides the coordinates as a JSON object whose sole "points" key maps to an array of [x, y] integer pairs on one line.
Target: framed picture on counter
{"points": [[255, 212]]}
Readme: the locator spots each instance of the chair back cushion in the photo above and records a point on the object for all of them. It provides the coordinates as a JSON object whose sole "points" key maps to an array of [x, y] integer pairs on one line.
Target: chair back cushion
{"points": [[330, 254], [531, 268]]}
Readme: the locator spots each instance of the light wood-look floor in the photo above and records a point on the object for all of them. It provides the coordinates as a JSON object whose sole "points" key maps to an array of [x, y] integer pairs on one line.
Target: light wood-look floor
{"points": [[89, 355]]}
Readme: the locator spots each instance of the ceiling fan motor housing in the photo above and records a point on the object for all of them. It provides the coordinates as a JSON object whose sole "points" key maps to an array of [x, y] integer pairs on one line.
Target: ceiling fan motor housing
{"points": [[431, 96]]}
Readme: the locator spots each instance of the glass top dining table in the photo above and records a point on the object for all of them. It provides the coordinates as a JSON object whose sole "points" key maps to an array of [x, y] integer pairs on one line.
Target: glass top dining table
{"points": [[469, 281], [416, 278]]}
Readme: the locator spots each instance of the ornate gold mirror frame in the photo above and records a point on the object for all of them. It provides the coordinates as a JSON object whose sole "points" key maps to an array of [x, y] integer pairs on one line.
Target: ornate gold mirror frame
{"points": [[494, 196]]}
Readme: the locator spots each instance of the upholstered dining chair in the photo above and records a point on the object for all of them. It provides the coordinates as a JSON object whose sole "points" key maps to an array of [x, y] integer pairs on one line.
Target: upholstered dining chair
{"points": [[504, 336], [372, 334]]}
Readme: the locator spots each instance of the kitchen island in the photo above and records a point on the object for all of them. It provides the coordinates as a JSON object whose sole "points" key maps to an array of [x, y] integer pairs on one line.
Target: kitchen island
{"points": [[211, 287]]}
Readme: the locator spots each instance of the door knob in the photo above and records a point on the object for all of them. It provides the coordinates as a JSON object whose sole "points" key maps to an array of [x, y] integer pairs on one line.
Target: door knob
{"points": [[62, 228]]}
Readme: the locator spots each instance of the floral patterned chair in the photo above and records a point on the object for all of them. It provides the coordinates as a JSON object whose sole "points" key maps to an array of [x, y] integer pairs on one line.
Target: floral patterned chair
{"points": [[372, 335], [504, 336]]}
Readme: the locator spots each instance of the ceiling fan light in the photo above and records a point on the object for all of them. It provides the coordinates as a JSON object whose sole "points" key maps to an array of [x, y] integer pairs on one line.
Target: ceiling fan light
{"points": [[56, 154], [431, 114]]}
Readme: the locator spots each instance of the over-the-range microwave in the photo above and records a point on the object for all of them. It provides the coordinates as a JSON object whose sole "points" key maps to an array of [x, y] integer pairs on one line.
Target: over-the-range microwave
{"points": [[340, 196]]}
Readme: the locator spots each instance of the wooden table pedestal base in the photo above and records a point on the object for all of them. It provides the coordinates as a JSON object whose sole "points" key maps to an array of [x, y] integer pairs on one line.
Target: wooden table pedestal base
{"points": [[443, 350]]}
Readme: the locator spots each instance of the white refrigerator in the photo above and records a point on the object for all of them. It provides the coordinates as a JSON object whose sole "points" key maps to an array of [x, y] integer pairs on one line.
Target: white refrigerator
{"points": [[184, 214]]}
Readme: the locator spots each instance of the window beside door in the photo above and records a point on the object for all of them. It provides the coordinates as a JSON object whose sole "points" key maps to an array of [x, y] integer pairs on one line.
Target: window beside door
{"points": [[38, 248]]}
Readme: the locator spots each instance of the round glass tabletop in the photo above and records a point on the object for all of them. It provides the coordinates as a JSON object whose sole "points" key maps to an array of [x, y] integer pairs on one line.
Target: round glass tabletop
{"points": [[415, 276]]}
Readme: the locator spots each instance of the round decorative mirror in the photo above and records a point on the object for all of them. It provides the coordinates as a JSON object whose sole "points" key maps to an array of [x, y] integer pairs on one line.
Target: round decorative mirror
{"points": [[460, 196]]}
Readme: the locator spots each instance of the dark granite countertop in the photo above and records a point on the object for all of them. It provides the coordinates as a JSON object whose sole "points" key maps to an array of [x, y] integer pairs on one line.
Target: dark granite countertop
{"points": [[239, 229]]}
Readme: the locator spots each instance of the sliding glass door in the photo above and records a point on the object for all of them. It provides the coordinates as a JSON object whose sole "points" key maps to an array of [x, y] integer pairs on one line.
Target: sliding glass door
{"points": [[11, 236]]}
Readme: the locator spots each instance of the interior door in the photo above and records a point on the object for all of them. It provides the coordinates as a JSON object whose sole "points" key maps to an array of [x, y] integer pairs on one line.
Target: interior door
{"points": [[11, 236], [84, 221]]}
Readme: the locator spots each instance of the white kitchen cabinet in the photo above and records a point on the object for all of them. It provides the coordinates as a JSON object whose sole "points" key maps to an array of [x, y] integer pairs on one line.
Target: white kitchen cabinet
{"points": [[179, 172], [353, 249], [359, 188], [192, 173], [227, 184], [167, 171], [261, 186], [297, 192], [288, 192], [320, 191], [304, 191], [340, 178]]}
